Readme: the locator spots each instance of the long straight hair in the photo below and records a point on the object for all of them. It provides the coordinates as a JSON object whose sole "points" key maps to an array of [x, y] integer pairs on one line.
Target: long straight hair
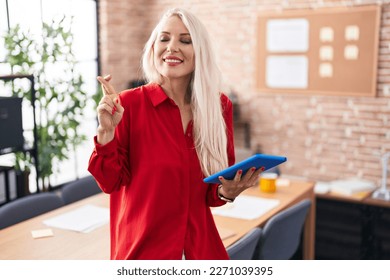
{"points": [[210, 135]]}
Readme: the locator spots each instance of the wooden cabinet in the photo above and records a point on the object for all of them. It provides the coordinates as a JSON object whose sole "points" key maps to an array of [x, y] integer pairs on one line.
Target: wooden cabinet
{"points": [[347, 229]]}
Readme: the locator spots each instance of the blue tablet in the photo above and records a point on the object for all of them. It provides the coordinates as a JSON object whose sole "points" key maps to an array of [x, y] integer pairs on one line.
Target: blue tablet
{"points": [[257, 160]]}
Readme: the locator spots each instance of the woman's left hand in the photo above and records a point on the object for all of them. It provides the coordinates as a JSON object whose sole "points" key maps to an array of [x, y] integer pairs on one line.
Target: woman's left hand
{"points": [[232, 188]]}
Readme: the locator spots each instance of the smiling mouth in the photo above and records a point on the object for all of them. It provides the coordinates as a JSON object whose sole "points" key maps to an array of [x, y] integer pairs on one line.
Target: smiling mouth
{"points": [[171, 60]]}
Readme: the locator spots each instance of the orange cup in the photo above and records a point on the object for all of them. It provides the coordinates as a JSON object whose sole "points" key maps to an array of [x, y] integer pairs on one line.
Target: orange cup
{"points": [[267, 182]]}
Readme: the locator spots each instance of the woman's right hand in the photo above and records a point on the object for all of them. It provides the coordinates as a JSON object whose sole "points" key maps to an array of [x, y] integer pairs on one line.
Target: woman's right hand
{"points": [[110, 111]]}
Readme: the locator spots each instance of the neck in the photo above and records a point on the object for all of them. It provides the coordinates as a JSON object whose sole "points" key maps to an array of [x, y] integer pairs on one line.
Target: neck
{"points": [[177, 90]]}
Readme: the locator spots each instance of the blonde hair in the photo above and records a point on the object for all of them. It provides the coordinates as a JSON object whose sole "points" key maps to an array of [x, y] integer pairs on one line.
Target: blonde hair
{"points": [[210, 136]]}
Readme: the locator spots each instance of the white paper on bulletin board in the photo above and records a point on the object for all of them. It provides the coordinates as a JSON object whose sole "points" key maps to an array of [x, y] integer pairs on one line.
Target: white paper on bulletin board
{"points": [[288, 35], [287, 71]]}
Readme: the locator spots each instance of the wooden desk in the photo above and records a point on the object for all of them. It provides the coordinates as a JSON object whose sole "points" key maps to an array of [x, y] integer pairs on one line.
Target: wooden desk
{"points": [[16, 241], [366, 200]]}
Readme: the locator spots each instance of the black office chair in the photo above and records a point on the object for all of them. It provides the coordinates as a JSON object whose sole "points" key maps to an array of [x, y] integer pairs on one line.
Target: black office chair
{"points": [[282, 233], [244, 248], [28, 207], [79, 189]]}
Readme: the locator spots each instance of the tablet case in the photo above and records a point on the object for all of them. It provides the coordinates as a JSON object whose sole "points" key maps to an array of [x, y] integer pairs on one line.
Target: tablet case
{"points": [[257, 160]]}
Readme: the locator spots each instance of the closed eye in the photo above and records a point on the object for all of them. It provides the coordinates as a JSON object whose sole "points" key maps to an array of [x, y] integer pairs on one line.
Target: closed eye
{"points": [[186, 41], [164, 38]]}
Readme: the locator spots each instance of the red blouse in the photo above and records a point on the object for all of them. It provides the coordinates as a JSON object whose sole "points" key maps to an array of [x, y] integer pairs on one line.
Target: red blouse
{"points": [[159, 204]]}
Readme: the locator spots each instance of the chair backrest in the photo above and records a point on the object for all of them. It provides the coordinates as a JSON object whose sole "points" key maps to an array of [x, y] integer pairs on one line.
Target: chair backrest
{"points": [[27, 207], [282, 233], [244, 248], [79, 189]]}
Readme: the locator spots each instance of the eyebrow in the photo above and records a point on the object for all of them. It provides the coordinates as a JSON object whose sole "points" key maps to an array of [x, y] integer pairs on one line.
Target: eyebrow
{"points": [[166, 32]]}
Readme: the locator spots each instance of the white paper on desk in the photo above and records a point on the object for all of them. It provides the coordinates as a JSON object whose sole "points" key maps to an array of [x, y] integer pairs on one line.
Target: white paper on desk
{"points": [[246, 207], [83, 219]]}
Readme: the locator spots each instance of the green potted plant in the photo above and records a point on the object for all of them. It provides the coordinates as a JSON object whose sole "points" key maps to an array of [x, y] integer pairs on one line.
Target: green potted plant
{"points": [[60, 95]]}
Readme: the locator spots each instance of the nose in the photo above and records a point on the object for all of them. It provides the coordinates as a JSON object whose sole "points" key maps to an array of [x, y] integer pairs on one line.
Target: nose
{"points": [[172, 46]]}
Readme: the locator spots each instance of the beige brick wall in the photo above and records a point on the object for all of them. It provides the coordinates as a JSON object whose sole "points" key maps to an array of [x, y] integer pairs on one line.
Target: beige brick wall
{"points": [[324, 137]]}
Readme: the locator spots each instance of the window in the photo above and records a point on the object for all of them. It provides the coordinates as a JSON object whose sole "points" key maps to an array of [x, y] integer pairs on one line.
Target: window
{"points": [[84, 26]]}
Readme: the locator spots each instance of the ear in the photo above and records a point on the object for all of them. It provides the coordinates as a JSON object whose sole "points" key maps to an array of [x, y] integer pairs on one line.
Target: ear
{"points": [[152, 53]]}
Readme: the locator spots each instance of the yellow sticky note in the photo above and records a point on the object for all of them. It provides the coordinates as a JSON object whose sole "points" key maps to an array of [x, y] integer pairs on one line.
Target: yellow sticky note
{"points": [[326, 53], [326, 34], [326, 70], [352, 33], [351, 52], [41, 233]]}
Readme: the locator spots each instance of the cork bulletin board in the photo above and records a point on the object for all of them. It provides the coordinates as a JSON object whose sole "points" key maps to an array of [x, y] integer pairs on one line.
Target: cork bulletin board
{"points": [[330, 51]]}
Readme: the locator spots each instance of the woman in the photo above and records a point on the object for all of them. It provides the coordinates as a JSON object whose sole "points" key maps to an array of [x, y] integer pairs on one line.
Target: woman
{"points": [[156, 143]]}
